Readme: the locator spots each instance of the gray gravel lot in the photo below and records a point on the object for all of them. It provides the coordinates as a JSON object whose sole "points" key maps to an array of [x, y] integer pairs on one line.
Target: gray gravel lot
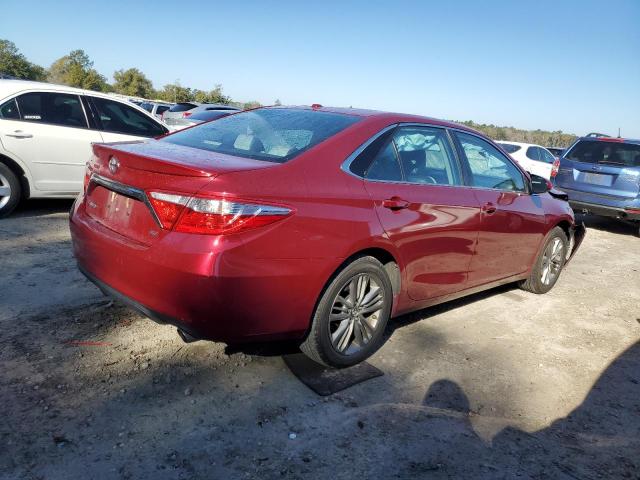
{"points": [[503, 384]]}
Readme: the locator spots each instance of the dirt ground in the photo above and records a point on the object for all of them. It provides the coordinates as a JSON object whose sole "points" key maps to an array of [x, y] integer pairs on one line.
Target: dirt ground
{"points": [[504, 384]]}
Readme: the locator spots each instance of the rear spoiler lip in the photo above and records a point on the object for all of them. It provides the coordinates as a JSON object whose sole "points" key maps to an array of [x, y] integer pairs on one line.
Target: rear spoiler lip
{"points": [[559, 194]]}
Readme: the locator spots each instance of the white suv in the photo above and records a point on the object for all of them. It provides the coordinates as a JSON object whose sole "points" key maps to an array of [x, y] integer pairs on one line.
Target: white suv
{"points": [[533, 158], [46, 132]]}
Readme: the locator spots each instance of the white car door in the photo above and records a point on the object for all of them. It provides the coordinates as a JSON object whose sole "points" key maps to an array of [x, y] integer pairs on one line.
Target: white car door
{"points": [[119, 122], [52, 139]]}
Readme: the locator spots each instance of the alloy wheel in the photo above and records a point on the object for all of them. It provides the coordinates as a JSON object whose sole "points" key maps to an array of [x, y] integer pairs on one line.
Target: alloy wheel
{"points": [[552, 261], [355, 314], [5, 190]]}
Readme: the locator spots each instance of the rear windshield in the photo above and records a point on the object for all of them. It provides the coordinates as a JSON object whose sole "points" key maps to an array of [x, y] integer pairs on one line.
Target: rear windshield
{"points": [[182, 107], [272, 134], [210, 115], [509, 148], [610, 153]]}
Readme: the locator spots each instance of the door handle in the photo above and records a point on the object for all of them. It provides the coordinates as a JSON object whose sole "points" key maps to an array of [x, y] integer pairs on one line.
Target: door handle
{"points": [[395, 203], [19, 134], [489, 208]]}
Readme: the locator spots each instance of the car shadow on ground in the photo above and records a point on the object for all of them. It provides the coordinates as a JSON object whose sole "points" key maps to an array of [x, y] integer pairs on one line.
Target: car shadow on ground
{"points": [[38, 207], [607, 224]]}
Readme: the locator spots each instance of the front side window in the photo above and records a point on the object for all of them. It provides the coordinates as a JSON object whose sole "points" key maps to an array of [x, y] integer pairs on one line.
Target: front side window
{"points": [[9, 110], [271, 134], [489, 168], [52, 108], [118, 117]]}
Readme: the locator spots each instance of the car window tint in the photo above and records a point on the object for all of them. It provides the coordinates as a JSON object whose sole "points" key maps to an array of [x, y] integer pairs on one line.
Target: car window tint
{"points": [[9, 110], [120, 118], [384, 165], [546, 156], [161, 109], [426, 156], [611, 153], [533, 153], [509, 148], [147, 106], [52, 108], [271, 134], [489, 168]]}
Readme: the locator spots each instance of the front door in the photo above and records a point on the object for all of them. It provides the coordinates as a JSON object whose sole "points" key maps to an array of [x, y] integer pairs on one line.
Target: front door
{"points": [[512, 221], [416, 184], [52, 138]]}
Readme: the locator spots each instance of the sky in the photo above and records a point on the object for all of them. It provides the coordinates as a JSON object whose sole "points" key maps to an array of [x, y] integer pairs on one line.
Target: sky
{"points": [[554, 65]]}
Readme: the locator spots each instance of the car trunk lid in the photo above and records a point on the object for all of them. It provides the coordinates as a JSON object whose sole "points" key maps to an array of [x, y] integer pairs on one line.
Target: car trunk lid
{"points": [[120, 177]]}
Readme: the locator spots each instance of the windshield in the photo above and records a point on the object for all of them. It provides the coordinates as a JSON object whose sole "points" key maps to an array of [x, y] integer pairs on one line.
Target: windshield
{"points": [[507, 147], [611, 153], [272, 134]]}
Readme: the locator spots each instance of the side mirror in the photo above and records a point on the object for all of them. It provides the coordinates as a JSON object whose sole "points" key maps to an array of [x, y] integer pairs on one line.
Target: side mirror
{"points": [[540, 184]]}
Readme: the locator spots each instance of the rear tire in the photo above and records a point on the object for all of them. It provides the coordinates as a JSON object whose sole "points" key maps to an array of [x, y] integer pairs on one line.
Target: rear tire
{"points": [[351, 316], [10, 190], [548, 266]]}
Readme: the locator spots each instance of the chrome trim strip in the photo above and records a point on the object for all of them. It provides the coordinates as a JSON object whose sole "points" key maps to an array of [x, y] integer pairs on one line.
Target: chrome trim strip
{"points": [[126, 190]]}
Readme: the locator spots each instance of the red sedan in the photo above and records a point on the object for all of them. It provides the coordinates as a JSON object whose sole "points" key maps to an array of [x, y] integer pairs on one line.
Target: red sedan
{"points": [[317, 224]]}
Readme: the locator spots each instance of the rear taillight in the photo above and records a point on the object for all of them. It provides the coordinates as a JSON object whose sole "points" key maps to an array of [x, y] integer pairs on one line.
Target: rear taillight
{"points": [[186, 114], [555, 167], [212, 216]]}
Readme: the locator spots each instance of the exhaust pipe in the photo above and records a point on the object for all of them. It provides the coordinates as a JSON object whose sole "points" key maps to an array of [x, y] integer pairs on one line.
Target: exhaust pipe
{"points": [[186, 338]]}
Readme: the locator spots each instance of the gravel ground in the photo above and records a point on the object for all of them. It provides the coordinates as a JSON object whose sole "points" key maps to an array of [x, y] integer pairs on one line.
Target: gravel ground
{"points": [[503, 384]]}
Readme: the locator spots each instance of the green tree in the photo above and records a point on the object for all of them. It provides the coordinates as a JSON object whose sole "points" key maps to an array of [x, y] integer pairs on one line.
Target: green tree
{"points": [[212, 96], [13, 63], [133, 82], [174, 92], [76, 70]]}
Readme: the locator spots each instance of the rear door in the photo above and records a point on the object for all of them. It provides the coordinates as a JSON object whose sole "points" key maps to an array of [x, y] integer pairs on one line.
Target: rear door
{"points": [[605, 167], [512, 221], [50, 134], [539, 164], [416, 184]]}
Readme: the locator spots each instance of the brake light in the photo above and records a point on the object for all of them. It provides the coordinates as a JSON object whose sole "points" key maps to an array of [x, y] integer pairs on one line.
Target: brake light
{"points": [[212, 216], [186, 114], [555, 167]]}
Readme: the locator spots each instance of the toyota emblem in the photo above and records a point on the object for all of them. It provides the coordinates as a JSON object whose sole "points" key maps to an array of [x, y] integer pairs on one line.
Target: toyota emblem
{"points": [[114, 164]]}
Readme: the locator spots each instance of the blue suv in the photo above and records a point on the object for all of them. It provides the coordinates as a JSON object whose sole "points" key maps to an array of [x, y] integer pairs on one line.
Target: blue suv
{"points": [[601, 176]]}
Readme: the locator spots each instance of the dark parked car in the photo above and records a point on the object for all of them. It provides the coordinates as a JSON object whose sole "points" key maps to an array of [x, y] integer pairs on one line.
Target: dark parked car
{"points": [[601, 175], [201, 117], [317, 224]]}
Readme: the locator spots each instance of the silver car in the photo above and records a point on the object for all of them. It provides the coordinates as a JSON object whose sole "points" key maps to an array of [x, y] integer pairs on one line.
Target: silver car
{"points": [[155, 108], [178, 115]]}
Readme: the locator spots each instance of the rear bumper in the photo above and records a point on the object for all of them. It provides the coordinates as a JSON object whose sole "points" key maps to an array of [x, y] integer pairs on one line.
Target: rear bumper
{"points": [[210, 289], [604, 210]]}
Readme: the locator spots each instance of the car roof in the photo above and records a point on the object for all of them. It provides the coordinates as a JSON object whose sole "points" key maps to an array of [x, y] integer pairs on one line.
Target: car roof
{"points": [[520, 144], [391, 117], [11, 87], [611, 139]]}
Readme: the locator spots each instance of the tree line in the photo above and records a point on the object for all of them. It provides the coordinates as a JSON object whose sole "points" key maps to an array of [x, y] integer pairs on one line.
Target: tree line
{"points": [[76, 70]]}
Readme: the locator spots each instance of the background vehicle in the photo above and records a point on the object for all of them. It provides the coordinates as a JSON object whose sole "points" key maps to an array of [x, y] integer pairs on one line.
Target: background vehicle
{"points": [[46, 132], [601, 175], [201, 117], [533, 158], [556, 151], [156, 109], [313, 223], [176, 117]]}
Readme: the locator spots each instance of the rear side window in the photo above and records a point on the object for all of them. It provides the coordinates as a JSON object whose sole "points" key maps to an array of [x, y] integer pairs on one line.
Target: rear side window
{"points": [[182, 107], [546, 156], [52, 108], [271, 134], [533, 153], [507, 147], [610, 153], [118, 117], [489, 168], [385, 165], [9, 110]]}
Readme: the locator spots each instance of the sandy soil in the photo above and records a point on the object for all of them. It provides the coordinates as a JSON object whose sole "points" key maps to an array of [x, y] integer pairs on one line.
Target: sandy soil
{"points": [[500, 385]]}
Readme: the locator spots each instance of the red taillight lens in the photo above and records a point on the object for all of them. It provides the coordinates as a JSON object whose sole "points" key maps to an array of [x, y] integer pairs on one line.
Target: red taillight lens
{"points": [[555, 168], [212, 216], [186, 114]]}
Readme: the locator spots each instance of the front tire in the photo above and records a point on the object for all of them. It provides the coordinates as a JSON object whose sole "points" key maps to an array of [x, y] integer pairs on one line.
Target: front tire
{"points": [[10, 190], [351, 316], [549, 264]]}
